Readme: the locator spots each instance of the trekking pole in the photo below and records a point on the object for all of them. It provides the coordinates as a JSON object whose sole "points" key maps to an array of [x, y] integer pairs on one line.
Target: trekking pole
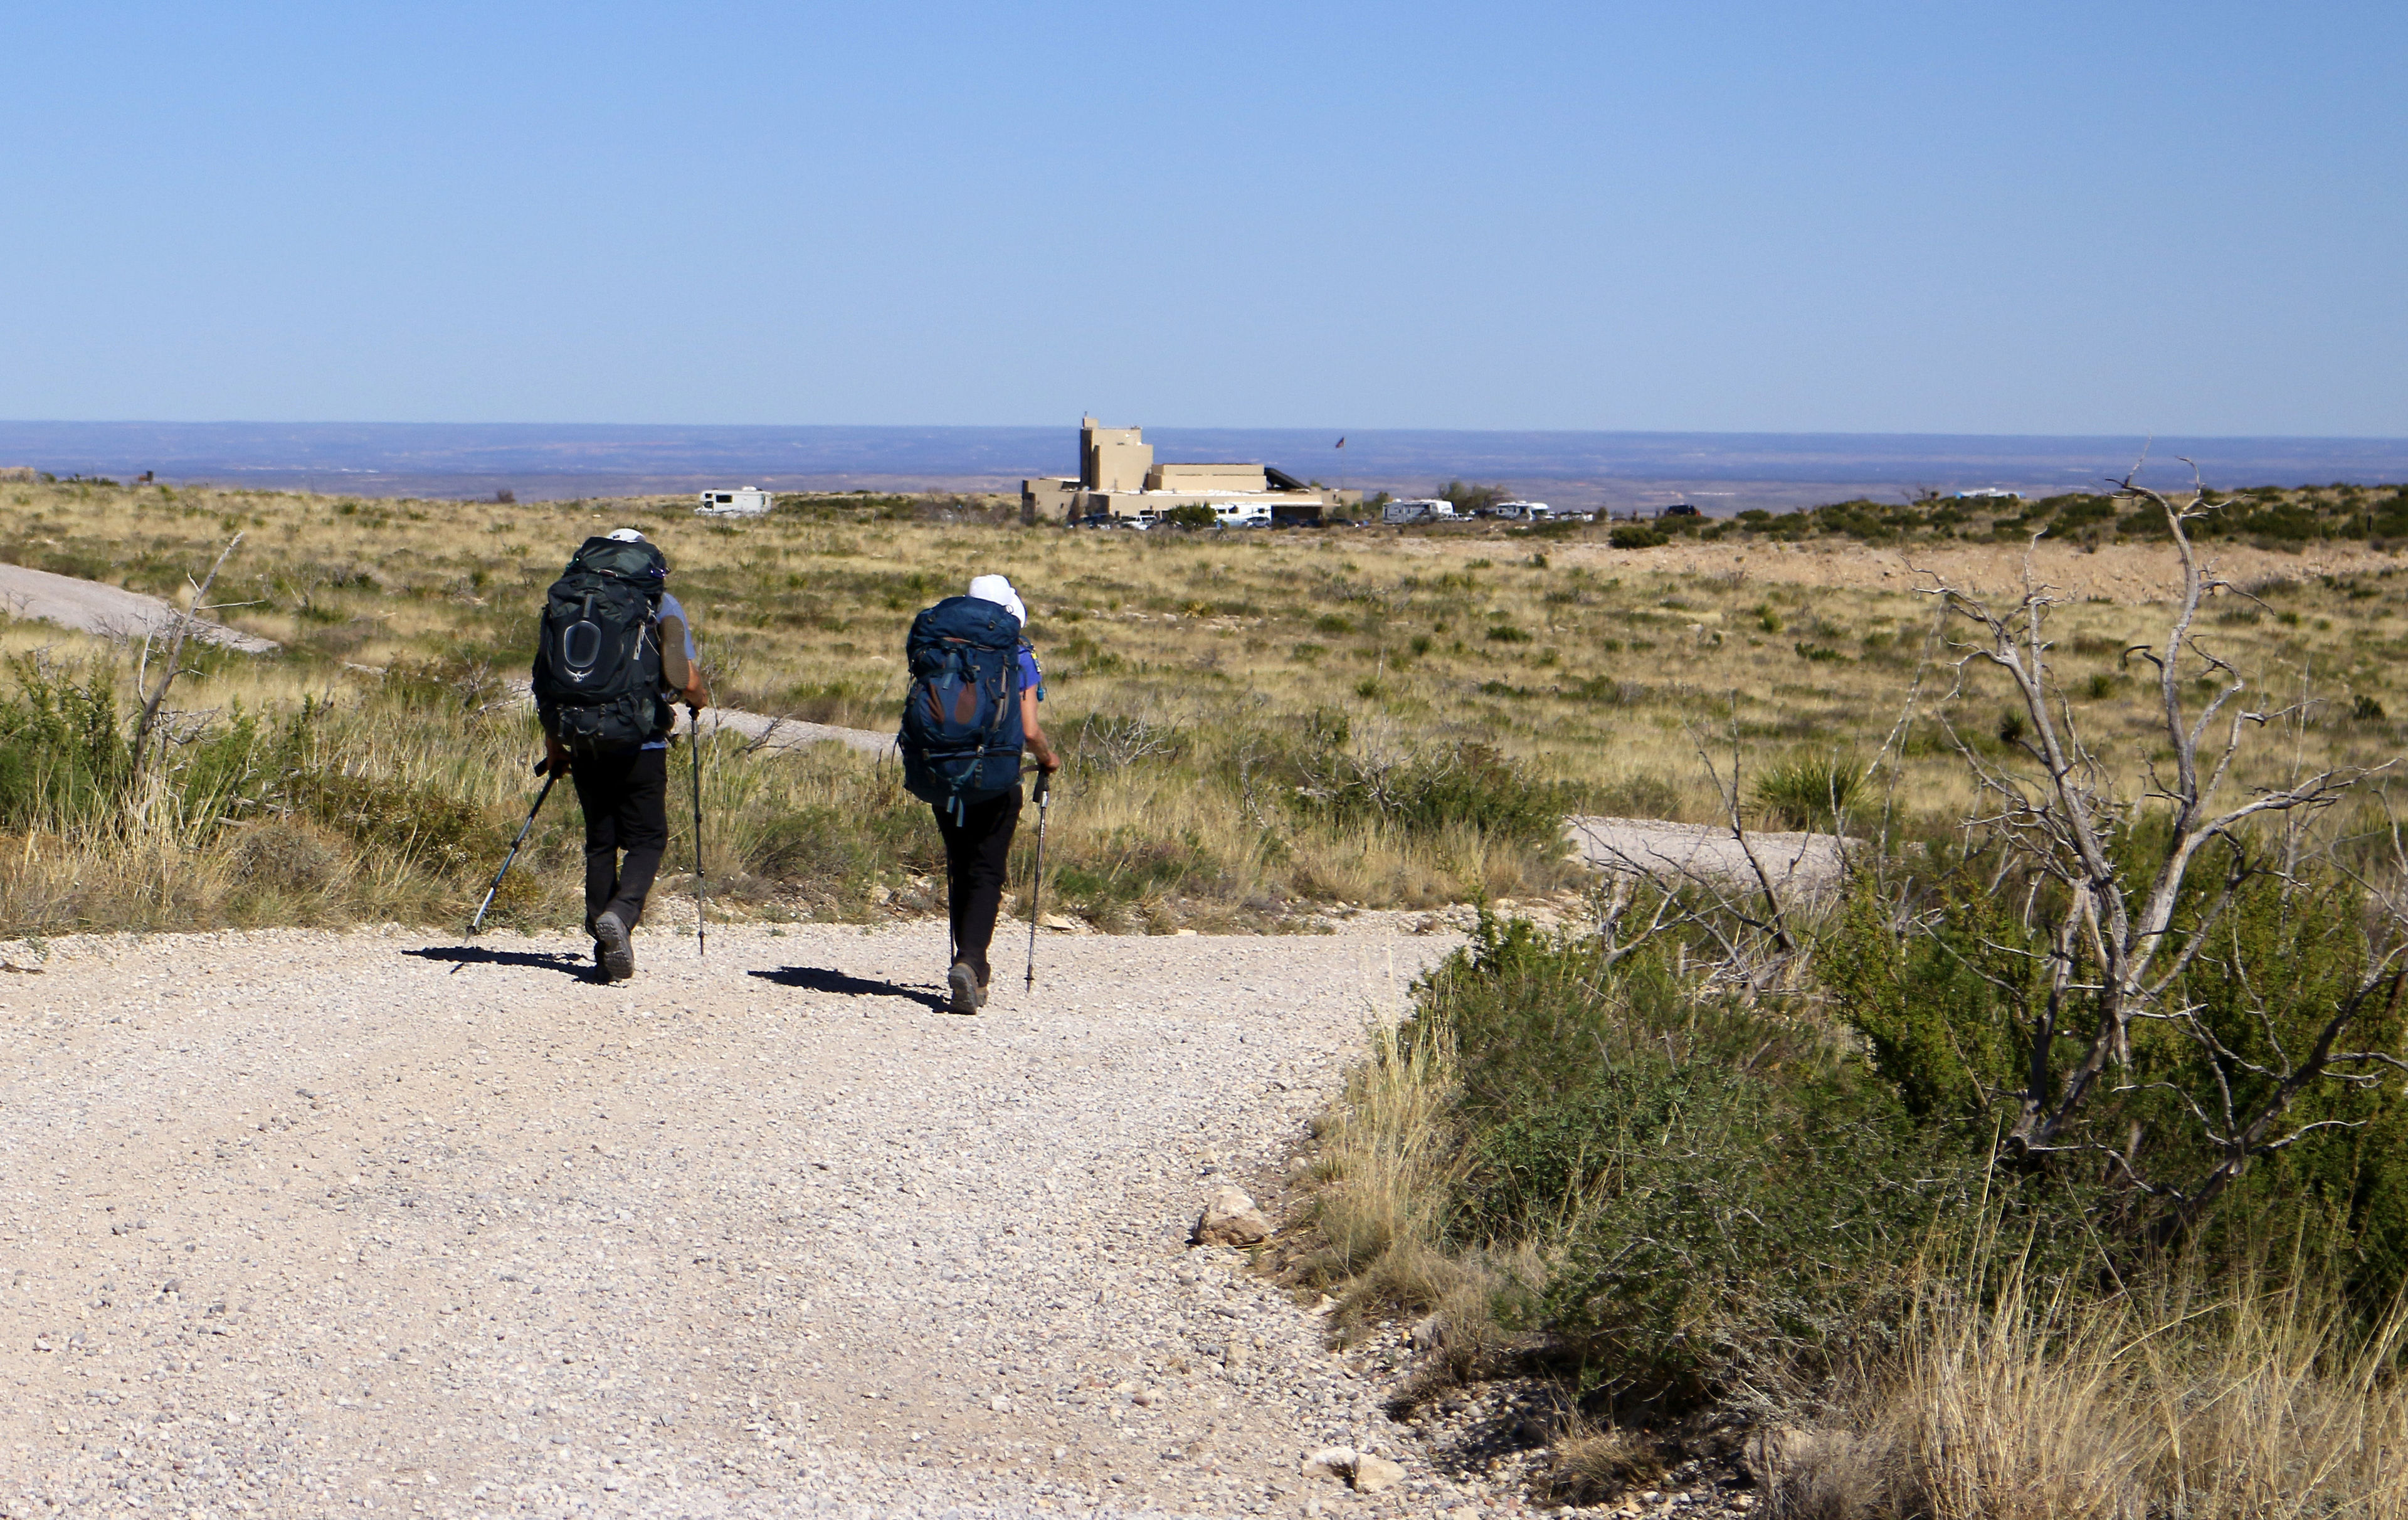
{"points": [[694, 741], [1036, 880], [541, 768]]}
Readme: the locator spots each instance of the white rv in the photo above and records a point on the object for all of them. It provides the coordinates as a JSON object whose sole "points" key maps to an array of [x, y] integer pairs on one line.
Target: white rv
{"points": [[1423, 509], [751, 501], [1242, 514]]}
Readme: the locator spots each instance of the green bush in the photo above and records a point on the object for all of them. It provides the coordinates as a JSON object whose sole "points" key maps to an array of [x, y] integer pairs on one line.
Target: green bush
{"points": [[63, 757], [1943, 1013], [1810, 791], [1428, 792], [1713, 1188], [1635, 537]]}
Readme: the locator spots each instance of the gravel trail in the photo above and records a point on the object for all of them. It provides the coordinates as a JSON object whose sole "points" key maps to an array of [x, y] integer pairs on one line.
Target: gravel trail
{"points": [[1703, 855], [307, 1222], [109, 610]]}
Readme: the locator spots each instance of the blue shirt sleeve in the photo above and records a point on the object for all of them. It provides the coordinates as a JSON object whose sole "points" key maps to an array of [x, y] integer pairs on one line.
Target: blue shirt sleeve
{"points": [[1031, 679]]}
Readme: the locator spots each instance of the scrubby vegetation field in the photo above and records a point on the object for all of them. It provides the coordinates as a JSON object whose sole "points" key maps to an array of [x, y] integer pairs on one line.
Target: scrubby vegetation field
{"points": [[1261, 723], [2056, 1164]]}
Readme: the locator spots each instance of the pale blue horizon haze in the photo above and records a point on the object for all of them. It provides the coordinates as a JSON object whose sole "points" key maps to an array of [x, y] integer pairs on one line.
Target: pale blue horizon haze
{"points": [[2046, 218]]}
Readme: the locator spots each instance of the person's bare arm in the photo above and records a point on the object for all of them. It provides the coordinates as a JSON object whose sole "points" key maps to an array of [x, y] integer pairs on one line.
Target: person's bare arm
{"points": [[684, 676], [1038, 745]]}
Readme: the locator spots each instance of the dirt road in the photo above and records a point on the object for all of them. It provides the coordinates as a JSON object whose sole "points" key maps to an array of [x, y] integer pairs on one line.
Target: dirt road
{"points": [[301, 1223], [109, 610]]}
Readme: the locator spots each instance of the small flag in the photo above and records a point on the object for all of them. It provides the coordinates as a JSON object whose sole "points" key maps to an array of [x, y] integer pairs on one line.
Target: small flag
{"points": [[1342, 443]]}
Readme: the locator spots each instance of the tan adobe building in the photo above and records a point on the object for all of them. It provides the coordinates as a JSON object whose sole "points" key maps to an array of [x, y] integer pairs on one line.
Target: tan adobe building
{"points": [[1118, 478]]}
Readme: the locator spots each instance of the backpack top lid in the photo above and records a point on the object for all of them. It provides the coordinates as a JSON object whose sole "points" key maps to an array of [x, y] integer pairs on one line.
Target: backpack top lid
{"points": [[639, 562], [967, 620]]}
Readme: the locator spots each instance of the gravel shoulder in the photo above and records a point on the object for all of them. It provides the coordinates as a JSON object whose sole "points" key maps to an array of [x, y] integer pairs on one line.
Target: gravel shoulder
{"points": [[301, 1220]]}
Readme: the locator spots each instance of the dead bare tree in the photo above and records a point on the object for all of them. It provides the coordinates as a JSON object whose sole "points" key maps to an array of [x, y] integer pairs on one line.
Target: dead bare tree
{"points": [[2111, 951], [146, 723]]}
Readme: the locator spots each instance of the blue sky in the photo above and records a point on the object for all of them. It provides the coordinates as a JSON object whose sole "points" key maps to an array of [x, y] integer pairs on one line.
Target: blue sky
{"points": [[1998, 218]]}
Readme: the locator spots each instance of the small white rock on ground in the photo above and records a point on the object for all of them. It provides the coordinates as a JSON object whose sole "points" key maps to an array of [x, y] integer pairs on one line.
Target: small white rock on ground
{"points": [[307, 1223]]}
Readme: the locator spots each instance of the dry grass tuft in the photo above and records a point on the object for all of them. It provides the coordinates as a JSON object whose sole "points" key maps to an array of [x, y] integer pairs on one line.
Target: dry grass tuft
{"points": [[1594, 1465], [2261, 1399]]}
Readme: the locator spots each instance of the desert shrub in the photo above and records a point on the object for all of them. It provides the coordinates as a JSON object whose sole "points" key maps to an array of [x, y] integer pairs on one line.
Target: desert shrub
{"points": [[284, 856], [397, 820], [463, 678], [1944, 1012], [1810, 791], [1633, 536], [1428, 792], [63, 757], [1713, 1188]]}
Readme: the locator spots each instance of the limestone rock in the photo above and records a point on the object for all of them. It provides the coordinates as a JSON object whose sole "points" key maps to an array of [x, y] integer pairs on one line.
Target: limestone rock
{"points": [[1336, 1463], [1230, 1218], [1373, 1474]]}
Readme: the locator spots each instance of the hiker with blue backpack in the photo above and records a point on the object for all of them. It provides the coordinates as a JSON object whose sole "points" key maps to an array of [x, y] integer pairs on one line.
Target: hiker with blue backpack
{"points": [[615, 649], [970, 710]]}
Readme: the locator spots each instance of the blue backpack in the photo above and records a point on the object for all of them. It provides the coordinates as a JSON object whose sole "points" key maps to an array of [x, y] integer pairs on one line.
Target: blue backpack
{"points": [[962, 735]]}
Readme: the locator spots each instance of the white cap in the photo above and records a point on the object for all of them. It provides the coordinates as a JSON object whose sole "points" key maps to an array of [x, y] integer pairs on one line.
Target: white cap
{"points": [[626, 536], [995, 589]]}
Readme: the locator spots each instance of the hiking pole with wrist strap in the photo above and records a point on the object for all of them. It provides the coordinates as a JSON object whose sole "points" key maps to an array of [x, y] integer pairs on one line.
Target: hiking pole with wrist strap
{"points": [[543, 768], [1036, 881], [694, 742]]}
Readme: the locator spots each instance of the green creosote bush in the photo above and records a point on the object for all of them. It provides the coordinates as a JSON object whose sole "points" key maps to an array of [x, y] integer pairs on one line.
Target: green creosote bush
{"points": [[1713, 1189], [1943, 1014], [1633, 536], [64, 758]]}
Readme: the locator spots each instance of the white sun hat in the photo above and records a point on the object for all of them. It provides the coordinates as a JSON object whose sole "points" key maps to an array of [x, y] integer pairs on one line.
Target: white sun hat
{"points": [[995, 589], [626, 536]]}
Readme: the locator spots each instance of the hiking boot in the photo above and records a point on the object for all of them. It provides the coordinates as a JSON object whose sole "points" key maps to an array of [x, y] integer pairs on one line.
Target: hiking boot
{"points": [[963, 985], [612, 952]]}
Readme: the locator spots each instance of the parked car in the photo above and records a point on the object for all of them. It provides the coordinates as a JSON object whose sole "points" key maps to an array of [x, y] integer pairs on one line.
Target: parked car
{"points": [[1680, 509], [1242, 514]]}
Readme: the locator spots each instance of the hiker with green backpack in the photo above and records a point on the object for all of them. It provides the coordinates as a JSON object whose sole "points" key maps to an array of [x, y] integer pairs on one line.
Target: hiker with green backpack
{"points": [[615, 648], [970, 711]]}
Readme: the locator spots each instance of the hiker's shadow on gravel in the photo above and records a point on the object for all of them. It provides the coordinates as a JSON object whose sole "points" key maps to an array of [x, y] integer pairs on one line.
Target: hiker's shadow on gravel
{"points": [[578, 967], [815, 979]]}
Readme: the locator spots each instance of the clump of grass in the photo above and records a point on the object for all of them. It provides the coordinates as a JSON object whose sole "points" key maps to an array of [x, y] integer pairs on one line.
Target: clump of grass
{"points": [[2220, 1395], [1592, 1465], [1810, 791]]}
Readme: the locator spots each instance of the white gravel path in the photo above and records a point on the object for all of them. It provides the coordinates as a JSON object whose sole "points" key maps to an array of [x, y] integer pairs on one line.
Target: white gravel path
{"points": [[308, 1224], [1704, 854], [111, 612]]}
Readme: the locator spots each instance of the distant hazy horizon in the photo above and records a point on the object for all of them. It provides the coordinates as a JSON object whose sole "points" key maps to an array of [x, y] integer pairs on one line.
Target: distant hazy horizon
{"points": [[1720, 472]]}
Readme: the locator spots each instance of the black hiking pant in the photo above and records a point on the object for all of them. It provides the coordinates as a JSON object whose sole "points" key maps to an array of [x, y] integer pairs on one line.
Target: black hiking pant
{"points": [[626, 798], [975, 849]]}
